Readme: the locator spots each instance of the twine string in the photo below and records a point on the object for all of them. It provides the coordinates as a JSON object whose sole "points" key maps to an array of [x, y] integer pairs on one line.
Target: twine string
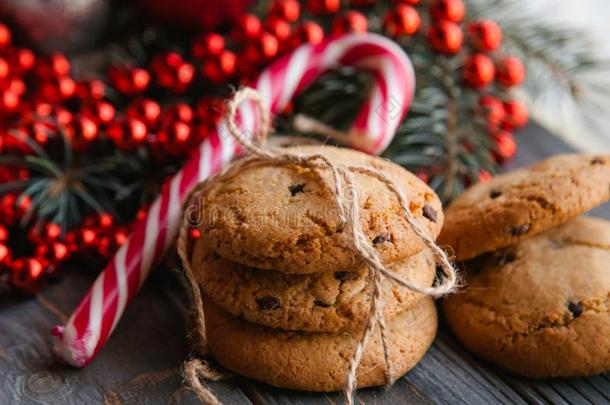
{"points": [[346, 199]]}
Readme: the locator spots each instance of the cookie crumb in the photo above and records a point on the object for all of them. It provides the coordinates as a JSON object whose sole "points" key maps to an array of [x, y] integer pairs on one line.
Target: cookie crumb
{"points": [[268, 302]]}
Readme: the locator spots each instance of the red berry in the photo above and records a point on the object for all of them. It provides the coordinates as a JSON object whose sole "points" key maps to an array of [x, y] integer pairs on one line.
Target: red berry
{"points": [[3, 233], [280, 29], [505, 146], [484, 176], [288, 10], [5, 69], [54, 252], [140, 79], [516, 114], [128, 135], [136, 130], [449, 10], [82, 131], [5, 36], [129, 81], [511, 71], [319, 7], [52, 231], [91, 89], [174, 138], [88, 236], [21, 59], [409, 2], [120, 236], [494, 111], [17, 86], [486, 35], [194, 233], [479, 70], [146, 109], [219, 69], [25, 272], [103, 111], [66, 87], [209, 44], [246, 27], [9, 101], [350, 21], [5, 255], [401, 20], [53, 66], [180, 112], [309, 32], [445, 37], [105, 221], [261, 49]]}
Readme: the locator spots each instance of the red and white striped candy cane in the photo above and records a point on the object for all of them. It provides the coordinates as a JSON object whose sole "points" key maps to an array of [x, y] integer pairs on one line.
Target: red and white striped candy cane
{"points": [[98, 313]]}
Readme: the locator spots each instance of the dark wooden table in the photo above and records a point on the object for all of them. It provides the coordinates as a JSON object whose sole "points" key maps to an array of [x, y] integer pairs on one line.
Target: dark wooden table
{"points": [[141, 362]]}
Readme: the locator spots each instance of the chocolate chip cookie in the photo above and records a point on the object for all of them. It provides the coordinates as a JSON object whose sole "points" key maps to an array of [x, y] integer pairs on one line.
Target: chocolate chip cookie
{"points": [[540, 308], [316, 361], [324, 301], [522, 203], [283, 217]]}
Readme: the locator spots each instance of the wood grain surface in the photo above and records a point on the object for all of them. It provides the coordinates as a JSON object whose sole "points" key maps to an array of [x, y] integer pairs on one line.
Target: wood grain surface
{"points": [[141, 362]]}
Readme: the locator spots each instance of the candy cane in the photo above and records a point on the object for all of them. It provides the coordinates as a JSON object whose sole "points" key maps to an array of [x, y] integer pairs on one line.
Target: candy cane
{"points": [[97, 315]]}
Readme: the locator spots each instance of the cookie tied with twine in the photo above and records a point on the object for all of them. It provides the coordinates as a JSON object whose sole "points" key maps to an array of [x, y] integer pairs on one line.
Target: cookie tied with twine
{"points": [[342, 188]]}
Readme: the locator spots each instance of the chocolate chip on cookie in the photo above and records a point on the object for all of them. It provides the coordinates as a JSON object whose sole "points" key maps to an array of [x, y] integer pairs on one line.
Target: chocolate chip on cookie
{"points": [[429, 213], [379, 239], [296, 189], [268, 302], [575, 308]]}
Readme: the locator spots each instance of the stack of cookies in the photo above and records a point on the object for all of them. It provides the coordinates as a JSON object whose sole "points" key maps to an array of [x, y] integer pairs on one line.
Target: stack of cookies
{"points": [[285, 297], [537, 274]]}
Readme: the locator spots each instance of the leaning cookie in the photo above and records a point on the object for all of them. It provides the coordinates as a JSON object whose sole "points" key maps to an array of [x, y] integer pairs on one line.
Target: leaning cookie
{"points": [[316, 361], [522, 203], [323, 302], [540, 308], [283, 217]]}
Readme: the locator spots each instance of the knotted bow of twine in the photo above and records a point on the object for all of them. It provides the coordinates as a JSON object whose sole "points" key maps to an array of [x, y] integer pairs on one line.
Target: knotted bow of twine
{"points": [[343, 190]]}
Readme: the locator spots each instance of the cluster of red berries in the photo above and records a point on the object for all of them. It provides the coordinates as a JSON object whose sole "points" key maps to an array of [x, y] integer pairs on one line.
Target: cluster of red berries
{"points": [[25, 266]]}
